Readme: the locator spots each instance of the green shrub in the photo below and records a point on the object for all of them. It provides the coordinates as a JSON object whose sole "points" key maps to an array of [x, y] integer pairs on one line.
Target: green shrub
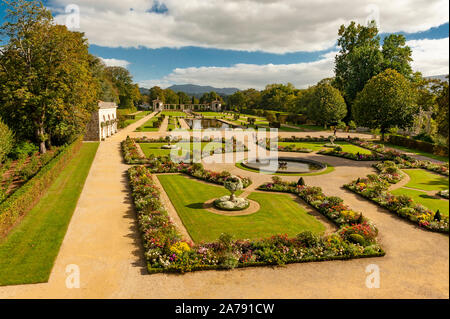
{"points": [[23, 150], [29, 169], [357, 239], [308, 238], [228, 260], [6, 140]]}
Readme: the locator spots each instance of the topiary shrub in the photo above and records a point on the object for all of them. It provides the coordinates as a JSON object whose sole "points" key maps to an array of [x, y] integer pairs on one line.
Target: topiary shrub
{"points": [[437, 216], [308, 238], [6, 140], [357, 239], [301, 182]]}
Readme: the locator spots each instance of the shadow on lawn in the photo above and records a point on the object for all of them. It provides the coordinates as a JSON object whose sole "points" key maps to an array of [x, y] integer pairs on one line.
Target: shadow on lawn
{"points": [[195, 206]]}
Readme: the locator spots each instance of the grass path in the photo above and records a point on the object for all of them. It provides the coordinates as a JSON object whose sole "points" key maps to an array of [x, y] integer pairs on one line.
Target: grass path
{"points": [[279, 213], [28, 253]]}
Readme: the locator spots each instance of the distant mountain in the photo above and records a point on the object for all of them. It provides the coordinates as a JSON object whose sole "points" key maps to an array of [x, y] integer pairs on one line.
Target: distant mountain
{"points": [[442, 77], [192, 89]]}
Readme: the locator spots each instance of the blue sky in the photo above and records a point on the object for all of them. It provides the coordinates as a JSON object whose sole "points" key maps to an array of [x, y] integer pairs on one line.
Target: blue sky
{"points": [[249, 43]]}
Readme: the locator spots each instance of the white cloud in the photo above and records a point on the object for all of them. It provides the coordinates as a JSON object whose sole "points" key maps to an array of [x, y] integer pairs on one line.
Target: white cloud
{"points": [[277, 26], [245, 76], [116, 62], [430, 56]]}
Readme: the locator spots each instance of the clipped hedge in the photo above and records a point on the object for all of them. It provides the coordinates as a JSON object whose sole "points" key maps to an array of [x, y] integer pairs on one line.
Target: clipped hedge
{"points": [[419, 145], [27, 196]]}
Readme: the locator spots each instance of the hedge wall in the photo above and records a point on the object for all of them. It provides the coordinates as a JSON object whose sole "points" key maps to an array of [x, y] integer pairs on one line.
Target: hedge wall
{"points": [[419, 145], [27, 196]]}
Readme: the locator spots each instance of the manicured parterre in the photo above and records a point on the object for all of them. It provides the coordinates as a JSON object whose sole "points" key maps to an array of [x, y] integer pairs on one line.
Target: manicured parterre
{"points": [[279, 213]]}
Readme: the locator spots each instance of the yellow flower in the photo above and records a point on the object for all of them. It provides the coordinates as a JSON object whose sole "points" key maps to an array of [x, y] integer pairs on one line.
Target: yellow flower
{"points": [[179, 247]]}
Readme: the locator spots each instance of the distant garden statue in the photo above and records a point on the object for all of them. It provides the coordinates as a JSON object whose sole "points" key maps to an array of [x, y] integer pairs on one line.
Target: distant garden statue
{"points": [[331, 138], [233, 203], [169, 146]]}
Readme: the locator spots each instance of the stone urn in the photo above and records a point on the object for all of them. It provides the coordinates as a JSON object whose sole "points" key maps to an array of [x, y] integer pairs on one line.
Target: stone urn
{"points": [[232, 203], [233, 184]]}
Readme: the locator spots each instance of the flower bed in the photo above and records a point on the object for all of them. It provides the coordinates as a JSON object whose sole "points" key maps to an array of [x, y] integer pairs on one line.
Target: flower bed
{"points": [[401, 159], [133, 156], [163, 164], [292, 148], [166, 252], [294, 139], [336, 151], [375, 188]]}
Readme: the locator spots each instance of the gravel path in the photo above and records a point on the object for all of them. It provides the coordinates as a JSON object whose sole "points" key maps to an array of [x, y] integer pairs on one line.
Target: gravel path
{"points": [[103, 240]]}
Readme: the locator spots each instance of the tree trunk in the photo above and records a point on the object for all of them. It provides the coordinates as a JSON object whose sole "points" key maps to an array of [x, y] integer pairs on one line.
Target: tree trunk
{"points": [[40, 132], [382, 135]]}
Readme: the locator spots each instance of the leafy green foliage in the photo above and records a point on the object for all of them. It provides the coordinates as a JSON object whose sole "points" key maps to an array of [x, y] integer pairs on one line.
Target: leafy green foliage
{"points": [[6, 140], [48, 91], [386, 101], [328, 105], [360, 57]]}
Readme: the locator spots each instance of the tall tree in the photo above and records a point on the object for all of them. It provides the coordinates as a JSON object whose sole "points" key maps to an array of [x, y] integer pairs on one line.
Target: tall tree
{"points": [[156, 93], [388, 100], [304, 102], [48, 91], [184, 98], [171, 97], [108, 91], [397, 55], [278, 97], [328, 106], [123, 81], [442, 117], [359, 58]]}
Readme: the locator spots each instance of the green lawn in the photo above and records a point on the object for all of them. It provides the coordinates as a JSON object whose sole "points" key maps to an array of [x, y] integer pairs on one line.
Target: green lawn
{"points": [[138, 116], [279, 213], [155, 148], [426, 200], [212, 114], [425, 180], [148, 126], [316, 146], [172, 124], [27, 254], [174, 113], [430, 155]]}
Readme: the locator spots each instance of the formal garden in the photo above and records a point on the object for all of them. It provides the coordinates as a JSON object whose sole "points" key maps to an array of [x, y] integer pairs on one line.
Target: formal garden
{"points": [[226, 242]]}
